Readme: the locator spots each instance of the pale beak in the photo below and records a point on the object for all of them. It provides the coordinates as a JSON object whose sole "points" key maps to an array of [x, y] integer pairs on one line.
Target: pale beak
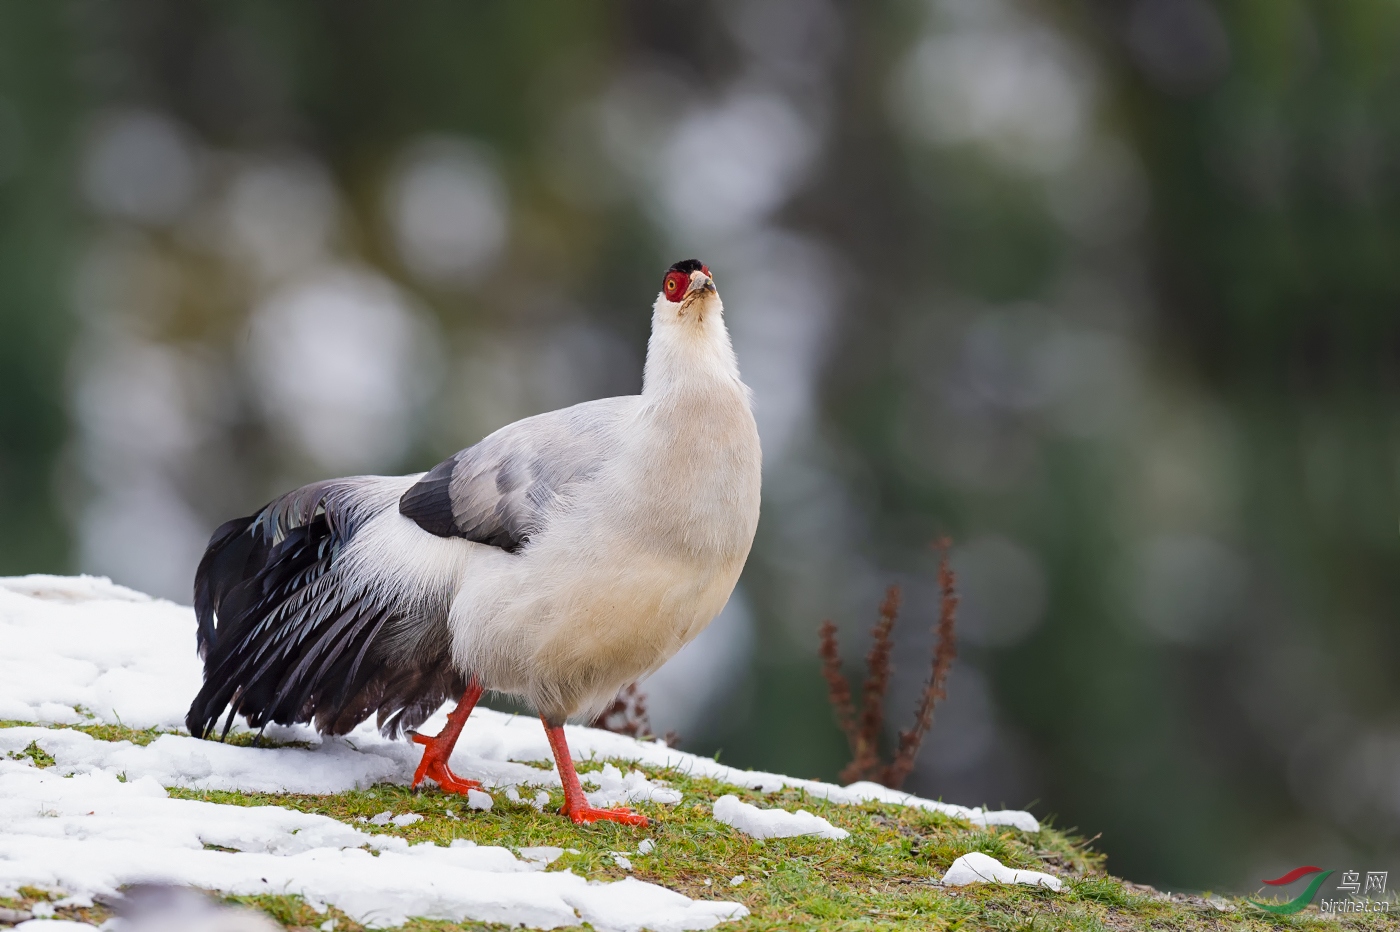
{"points": [[700, 282]]}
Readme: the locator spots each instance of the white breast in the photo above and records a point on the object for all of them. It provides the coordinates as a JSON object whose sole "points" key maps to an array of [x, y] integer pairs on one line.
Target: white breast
{"points": [[626, 574]]}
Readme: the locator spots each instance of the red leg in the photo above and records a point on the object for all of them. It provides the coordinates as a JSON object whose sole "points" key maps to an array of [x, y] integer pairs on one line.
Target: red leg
{"points": [[438, 749], [575, 803]]}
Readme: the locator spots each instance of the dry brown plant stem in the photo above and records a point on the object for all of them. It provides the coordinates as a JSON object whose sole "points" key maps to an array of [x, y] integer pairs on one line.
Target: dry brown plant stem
{"points": [[936, 688], [627, 715], [837, 686], [863, 730]]}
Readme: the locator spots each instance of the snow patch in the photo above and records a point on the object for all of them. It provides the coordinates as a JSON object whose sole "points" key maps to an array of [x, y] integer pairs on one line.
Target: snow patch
{"points": [[543, 854], [865, 791], [70, 588], [83, 642], [614, 789], [772, 823], [91, 834], [976, 867], [179, 760]]}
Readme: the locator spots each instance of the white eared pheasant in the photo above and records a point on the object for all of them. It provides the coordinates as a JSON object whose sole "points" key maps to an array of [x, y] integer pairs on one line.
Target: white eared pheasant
{"points": [[559, 559]]}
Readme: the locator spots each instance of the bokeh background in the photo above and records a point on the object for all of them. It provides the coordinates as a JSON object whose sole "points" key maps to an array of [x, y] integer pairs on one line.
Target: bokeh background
{"points": [[1107, 290]]}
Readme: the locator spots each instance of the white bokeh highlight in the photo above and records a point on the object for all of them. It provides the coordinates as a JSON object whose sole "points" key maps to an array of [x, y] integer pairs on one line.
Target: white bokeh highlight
{"points": [[340, 361], [280, 216], [448, 209]]}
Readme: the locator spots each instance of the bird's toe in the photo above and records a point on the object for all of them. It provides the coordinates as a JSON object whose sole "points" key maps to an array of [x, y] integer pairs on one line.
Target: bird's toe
{"points": [[448, 781], [434, 767], [588, 814]]}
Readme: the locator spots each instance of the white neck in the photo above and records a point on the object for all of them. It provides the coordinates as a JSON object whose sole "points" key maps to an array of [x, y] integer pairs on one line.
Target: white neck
{"points": [[689, 350]]}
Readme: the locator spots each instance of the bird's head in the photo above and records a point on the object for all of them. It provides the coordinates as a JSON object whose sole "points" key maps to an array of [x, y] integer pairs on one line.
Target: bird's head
{"points": [[688, 287], [687, 328]]}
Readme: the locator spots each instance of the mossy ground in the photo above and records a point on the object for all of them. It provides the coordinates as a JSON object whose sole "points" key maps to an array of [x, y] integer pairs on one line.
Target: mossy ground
{"points": [[883, 877]]}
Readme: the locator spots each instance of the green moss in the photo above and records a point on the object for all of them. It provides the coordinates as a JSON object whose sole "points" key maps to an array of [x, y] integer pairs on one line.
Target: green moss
{"points": [[252, 739], [883, 877], [38, 755], [144, 736]]}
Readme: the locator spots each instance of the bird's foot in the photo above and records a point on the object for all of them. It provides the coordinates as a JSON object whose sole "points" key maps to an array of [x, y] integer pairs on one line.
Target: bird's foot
{"points": [[585, 814], [434, 767]]}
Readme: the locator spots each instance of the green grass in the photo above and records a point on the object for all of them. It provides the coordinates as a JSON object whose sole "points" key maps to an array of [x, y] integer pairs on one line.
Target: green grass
{"points": [[883, 877], [144, 736]]}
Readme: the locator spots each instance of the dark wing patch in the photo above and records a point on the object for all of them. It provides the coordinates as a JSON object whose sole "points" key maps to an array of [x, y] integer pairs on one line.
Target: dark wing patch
{"points": [[500, 491], [475, 500], [429, 502], [285, 638]]}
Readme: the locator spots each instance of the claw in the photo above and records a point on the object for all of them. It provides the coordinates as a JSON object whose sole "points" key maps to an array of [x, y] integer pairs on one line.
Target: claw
{"points": [[434, 766], [588, 814]]}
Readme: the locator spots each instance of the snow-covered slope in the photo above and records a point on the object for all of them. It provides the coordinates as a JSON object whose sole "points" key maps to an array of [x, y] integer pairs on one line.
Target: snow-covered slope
{"points": [[81, 649]]}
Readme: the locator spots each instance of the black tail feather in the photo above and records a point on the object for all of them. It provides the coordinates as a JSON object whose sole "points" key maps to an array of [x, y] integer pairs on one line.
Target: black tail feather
{"points": [[225, 559], [286, 638]]}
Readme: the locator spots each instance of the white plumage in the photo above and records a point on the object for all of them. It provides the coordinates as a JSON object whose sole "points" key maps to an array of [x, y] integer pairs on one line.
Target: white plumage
{"points": [[559, 559]]}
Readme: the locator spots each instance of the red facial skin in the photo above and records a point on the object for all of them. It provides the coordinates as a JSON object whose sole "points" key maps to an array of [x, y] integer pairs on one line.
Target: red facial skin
{"points": [[675, 284]]}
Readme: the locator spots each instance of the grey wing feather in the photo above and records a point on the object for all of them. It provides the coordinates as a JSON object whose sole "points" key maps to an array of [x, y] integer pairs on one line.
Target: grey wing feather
{"points": [[501, 491]]}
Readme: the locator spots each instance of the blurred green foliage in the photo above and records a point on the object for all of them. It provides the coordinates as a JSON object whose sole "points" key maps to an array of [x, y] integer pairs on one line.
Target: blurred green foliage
{"points": [[36, 242]]}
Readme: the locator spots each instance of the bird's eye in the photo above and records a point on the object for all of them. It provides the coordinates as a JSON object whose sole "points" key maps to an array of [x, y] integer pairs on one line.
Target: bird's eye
{"points": [[674, 286]]}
